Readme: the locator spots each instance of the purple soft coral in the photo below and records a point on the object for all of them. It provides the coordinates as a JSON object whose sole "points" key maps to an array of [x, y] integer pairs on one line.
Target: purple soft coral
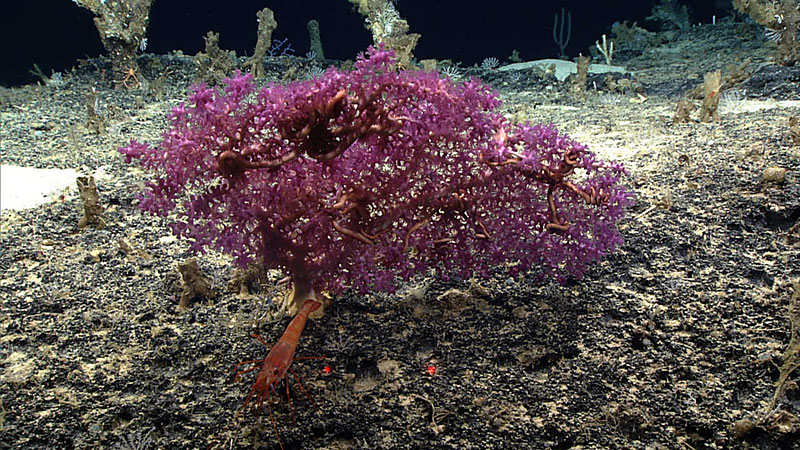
{"points": [[355, 178]]}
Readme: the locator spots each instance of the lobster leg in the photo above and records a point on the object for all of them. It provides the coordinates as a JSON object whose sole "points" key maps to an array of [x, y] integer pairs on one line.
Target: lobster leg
{"points": [[236, 377], [297, 378], [261, 339], [246, 401], [272, 418], [289, 398]]}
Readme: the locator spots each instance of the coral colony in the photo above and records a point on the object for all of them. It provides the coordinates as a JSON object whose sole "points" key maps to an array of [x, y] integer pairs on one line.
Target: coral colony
{"points": [[355, 178]]}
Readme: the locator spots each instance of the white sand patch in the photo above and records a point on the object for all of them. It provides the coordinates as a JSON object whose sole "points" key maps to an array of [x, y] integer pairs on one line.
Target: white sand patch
{"points": [[28, 187], [562, 68]]}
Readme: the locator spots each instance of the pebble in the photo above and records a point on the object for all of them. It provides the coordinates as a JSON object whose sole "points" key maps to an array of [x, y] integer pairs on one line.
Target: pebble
{"points": [[774, 174]]}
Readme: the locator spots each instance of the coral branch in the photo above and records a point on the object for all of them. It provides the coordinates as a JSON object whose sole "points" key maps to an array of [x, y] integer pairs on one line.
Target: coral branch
{"points": [[350, 233]]}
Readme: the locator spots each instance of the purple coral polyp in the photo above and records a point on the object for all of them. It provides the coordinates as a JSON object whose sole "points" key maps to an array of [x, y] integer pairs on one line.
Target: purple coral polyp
{"points": [[358, 177]]}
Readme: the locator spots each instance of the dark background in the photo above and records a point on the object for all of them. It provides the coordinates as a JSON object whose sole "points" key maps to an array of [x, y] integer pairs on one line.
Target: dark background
{"points": [[55, 33]]}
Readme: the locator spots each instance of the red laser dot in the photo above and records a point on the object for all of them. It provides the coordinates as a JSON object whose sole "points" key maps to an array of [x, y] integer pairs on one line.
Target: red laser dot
{"points": [[431, 370], [327, 369]]}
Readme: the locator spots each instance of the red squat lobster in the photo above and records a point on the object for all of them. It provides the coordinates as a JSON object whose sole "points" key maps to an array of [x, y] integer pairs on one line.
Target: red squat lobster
{"points": [[276, 364]]}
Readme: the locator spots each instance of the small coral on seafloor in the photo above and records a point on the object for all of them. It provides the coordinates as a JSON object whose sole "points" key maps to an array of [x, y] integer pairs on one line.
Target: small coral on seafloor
{"points": [[355, 178]]}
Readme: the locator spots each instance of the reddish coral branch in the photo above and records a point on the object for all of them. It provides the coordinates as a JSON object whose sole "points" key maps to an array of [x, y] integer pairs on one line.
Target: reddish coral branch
{"points": [[352, 234]]}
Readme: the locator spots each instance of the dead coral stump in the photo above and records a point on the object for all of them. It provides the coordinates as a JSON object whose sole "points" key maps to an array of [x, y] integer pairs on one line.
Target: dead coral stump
{"points": [[92, 209], [245, 281], [266, 25], [683, 112], [195, 284], [794, 131]]}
